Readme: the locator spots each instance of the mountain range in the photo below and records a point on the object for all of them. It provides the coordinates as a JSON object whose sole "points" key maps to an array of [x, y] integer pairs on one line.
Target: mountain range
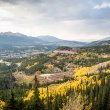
{"points": [[17, 39]]}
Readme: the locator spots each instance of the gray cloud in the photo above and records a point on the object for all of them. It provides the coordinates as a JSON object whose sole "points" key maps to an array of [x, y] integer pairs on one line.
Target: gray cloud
{"points": [[16, 2], [56, 17], [64, 9], [9, 2]]}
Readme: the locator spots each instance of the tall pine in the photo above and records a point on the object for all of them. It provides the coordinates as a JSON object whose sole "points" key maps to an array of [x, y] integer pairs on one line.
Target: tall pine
{"points": [[37, 103]]}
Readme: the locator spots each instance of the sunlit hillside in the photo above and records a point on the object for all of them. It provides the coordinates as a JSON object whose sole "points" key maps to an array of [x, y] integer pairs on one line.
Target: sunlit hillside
{"points": [[85, 80], [58, 81]]}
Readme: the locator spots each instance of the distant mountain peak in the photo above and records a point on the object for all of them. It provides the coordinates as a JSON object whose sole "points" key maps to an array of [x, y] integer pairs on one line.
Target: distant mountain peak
{"points": [[17, 39], [11, 34], [49, 38], [106, 38]]}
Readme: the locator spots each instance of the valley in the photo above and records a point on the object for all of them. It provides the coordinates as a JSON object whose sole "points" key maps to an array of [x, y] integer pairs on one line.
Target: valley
{"points": [[59, 72]]}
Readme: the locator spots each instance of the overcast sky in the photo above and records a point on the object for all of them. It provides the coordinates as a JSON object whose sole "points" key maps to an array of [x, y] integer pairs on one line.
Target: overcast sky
{"points": [[66, 19]]}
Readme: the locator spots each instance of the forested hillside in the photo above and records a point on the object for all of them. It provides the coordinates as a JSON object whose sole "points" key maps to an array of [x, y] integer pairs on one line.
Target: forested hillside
{"points": [[79, 81]]}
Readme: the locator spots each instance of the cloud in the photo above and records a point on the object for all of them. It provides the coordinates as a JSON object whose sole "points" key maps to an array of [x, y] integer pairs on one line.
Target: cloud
{"points": [[103, 5], [9, 2], [68, 19], [17, 2]]}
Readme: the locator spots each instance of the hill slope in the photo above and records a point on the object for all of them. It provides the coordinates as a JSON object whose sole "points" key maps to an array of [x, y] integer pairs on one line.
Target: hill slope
{"points": [[99, 43]]}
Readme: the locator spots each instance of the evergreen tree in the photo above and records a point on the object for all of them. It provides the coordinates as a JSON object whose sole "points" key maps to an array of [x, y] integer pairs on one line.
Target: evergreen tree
{"points": [[11, 104], [37, 103]]}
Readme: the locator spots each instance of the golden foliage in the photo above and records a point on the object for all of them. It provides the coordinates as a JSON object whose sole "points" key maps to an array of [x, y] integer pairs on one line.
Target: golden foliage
{"points": [[2, 104]]}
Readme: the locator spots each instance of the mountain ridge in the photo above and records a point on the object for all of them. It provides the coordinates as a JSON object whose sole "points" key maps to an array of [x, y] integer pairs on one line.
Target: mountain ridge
{"points": [[15, 39], [18, 39], [99, 43], [49, 38]]}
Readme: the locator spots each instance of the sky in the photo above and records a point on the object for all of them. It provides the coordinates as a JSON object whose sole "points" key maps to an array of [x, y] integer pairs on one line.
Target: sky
{"points": [[83, 20]]}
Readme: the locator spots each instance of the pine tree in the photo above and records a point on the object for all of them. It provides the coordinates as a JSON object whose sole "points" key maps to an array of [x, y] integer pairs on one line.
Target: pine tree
{"points": [[37, 103], [11, 104]]}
